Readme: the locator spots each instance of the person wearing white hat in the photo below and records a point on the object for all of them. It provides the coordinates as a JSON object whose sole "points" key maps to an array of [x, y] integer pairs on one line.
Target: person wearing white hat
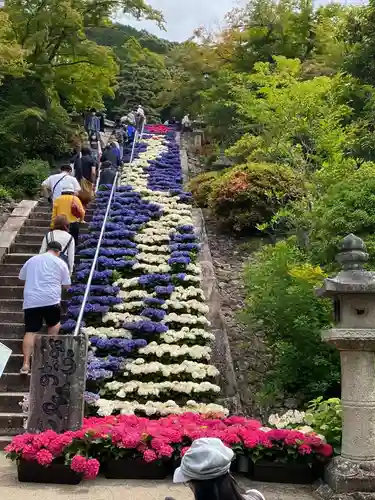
{"points": [[205, 467]]}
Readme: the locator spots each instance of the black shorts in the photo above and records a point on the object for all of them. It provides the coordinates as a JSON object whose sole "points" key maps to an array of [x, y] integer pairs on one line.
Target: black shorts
{"points": [[34, 317]]}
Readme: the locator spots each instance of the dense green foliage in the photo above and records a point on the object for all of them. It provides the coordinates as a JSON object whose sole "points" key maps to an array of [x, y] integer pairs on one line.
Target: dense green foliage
{"points": [[282, 304], [49, 69], [325, 417], [201, 187], [288, 84], [25, 178], [143, 72], [116, 35]]}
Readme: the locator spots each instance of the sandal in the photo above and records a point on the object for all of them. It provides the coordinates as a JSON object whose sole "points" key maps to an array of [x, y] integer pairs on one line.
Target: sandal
{"points": [[25, 370]]}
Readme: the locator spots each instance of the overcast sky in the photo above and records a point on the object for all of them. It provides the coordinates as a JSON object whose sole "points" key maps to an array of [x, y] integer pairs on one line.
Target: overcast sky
{"points": [[183, 16]]}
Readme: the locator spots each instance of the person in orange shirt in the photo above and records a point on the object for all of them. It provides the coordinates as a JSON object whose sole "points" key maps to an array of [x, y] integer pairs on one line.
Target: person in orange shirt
{"points": [[69, 205]]}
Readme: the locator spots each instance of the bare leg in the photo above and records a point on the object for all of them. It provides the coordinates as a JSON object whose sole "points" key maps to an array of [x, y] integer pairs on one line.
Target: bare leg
{"points": [[27, 349], [54, 330]]}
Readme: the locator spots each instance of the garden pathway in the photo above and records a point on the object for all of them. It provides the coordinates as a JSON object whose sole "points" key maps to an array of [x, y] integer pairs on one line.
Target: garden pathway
{"points": [[103, 489]]}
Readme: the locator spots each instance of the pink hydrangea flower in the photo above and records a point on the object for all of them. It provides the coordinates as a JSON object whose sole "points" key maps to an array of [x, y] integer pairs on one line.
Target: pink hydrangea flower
{"points": [[29, 452], [91, 469], [44, 457], [149, 456], [304, 449], [78, 463], [165, 451]]}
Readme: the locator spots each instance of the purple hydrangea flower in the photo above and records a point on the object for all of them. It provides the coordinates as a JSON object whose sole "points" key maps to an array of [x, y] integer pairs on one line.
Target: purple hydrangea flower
{"points": [[150, 312], [91, 397], [149, 327]]}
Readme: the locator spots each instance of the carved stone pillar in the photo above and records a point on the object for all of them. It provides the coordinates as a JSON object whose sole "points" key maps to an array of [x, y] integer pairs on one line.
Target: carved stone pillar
{"points": [[58, 382]]}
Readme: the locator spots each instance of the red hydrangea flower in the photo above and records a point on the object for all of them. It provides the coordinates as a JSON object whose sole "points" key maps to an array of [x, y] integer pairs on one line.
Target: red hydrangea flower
{"points": [[149, 456], [44, 457], [78, 463], [91, 469]]}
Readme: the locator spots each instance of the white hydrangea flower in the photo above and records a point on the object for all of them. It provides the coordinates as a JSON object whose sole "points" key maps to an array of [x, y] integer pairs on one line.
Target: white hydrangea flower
{"points": [[158, 388], [107, 332], [159, 350], [107, 407]]}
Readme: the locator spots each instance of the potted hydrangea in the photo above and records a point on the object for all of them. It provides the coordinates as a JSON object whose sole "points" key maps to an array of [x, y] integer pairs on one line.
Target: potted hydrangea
{"points": [[287, 456], [49, 457]]}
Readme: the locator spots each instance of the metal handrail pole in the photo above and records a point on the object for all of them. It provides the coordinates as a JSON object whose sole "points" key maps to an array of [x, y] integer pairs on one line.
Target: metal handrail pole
{"points": [[93, 266], [133, 147], [98, 178]]}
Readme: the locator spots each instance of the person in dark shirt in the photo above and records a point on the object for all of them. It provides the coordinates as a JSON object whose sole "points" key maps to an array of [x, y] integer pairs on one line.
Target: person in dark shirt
{"points": [[76, 160], [88, 165], [94, 146], [107, 173], [88, 172], [112, 155]]}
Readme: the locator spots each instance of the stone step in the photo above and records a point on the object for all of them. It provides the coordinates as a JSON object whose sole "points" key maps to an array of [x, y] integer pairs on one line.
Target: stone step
{"points": [[10, 305], [35, 230], [14, 344], [11, 424], [14, 364], [28, 238], [10, 270], [17, 258], [15, 306], [40, 216], [14, 382], [11, 317], [38, 223], [10, 280], [9, 402], [11, 292], [26, 248], [45, 209], [14, 330]]}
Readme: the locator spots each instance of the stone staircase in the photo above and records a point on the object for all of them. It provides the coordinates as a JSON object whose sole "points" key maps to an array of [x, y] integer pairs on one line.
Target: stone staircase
{"points": [[13, 386]]}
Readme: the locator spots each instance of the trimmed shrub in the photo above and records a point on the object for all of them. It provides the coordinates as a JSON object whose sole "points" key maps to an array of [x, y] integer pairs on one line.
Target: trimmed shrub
{"points": [[5, 194], [247, 195], [24, 180], [201, 187], [281, 304]]}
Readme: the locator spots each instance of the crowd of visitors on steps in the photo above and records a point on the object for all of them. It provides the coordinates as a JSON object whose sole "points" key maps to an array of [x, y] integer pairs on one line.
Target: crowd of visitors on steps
{"points": [[69, 192]]}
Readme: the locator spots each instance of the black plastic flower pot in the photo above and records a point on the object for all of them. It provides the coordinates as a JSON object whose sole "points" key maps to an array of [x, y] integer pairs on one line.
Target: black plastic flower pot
{"points": [[56, 473], [242, 465], [274, 472], [130, 468]]}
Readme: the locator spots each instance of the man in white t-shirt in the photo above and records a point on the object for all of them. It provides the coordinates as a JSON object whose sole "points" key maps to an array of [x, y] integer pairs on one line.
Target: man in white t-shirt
{"points": [[55, 184], [44, 276]]}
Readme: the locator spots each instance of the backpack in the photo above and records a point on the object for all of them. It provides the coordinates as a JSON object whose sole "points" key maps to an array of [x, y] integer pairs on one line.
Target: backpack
{"points": [[63, 255], [75, 208]]}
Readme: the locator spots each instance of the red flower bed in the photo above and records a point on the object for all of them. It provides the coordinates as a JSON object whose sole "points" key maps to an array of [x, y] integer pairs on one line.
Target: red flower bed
{"points": [[129, 436], [157, 129]]}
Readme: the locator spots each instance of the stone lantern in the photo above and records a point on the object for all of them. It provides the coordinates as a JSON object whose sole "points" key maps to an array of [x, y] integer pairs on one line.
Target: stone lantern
{"points": [[352, 475]]}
